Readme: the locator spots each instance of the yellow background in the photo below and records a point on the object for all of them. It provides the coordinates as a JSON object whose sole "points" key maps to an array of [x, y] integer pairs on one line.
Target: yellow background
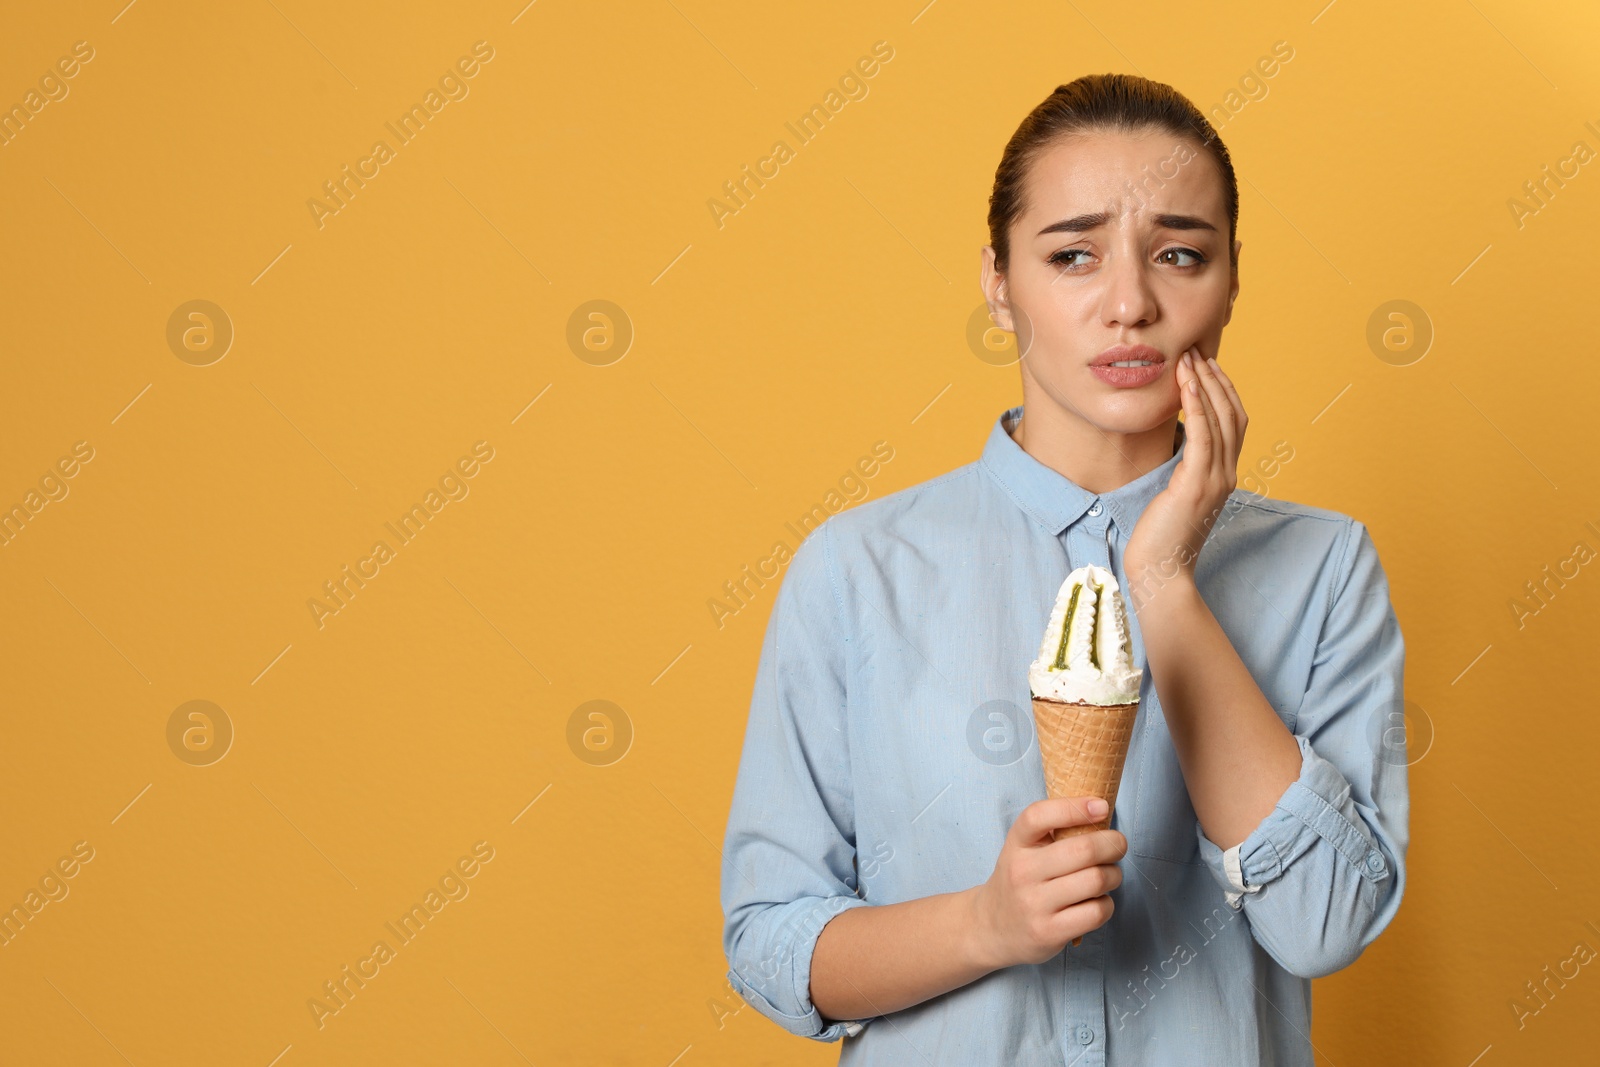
{"points": [[828, 314]]}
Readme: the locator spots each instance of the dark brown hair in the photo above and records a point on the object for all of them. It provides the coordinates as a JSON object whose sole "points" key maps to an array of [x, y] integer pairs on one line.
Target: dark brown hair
{"points": [[1118, 102]]}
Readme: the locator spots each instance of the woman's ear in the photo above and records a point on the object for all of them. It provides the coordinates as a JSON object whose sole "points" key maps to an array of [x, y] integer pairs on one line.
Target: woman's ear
{"points": [[1233, 285], [994, 291]]}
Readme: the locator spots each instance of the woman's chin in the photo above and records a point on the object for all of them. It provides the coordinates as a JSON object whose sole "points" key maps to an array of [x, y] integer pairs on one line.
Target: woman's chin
{"points": [[1132, 411]]}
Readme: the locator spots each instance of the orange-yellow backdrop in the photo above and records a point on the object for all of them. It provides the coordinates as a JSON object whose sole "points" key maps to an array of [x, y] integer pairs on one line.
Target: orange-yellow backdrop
{"points": [[377, 340]]}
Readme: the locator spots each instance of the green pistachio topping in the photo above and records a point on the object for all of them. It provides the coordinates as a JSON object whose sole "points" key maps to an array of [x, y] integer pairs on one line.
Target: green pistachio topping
{"points": [[1066, 629]]}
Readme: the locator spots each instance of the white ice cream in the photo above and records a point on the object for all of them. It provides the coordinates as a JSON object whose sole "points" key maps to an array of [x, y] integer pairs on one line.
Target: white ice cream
{"points": [[1092, 661]]}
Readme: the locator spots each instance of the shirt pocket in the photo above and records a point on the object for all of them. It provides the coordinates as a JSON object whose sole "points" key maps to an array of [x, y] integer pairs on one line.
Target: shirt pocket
{"points": [[1153, 803]]}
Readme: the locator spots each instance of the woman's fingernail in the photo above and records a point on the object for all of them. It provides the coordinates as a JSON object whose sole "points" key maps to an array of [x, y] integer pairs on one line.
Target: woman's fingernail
{"points": [[1098, 807]]}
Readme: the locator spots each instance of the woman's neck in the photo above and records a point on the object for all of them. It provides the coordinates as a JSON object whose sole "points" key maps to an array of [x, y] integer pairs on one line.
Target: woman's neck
{"points": [[1095, 459]]}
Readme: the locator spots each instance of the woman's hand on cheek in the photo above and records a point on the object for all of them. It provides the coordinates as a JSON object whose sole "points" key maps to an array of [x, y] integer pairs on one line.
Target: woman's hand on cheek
{"points": [[1168, 537]]}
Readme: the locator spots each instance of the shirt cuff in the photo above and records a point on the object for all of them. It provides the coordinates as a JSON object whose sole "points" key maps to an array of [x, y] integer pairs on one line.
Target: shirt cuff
{"points": [[802, 948], [809, 1025], [1235, 876], [1310, 810]]}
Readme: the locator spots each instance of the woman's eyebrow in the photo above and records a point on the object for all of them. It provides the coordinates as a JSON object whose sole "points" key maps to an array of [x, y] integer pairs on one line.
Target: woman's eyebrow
{"points": [[1183, 222], [1085, 223], [1078, 223]]}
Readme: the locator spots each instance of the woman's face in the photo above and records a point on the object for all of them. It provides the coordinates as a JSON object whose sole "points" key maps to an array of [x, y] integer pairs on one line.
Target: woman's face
{"points": [[1121, 252]]}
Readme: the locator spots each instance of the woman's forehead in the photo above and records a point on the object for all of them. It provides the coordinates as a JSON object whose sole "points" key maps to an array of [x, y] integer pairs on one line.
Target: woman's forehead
{"points": [[1132, 176]]}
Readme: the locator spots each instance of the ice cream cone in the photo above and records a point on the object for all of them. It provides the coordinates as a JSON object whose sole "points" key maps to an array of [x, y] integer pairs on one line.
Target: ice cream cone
{"points": [[1085, 691], [1084, 747]]}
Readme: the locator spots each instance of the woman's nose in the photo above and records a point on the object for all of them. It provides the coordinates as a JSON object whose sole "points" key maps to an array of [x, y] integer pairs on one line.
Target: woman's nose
{"points": [[1128, 299]]}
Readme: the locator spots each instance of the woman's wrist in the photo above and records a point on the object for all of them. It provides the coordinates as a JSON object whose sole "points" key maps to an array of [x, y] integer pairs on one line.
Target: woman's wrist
{"points": [[1148, 583], [887, 957], [978, 945]]}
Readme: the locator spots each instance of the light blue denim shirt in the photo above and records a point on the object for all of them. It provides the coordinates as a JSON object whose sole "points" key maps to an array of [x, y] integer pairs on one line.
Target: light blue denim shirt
{"points": [[890, 747]]}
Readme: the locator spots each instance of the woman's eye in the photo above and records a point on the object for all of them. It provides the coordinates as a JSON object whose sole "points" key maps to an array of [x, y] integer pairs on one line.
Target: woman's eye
{"points": [[1064, 257], [1196, 256]]}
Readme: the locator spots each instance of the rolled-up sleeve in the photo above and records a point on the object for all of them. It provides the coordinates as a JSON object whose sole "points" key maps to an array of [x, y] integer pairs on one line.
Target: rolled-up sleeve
{"points": [[1322, 875], [789, 853]]}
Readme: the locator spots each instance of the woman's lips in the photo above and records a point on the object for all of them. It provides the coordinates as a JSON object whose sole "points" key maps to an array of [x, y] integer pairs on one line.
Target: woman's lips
{"points": [[1129, 377]]}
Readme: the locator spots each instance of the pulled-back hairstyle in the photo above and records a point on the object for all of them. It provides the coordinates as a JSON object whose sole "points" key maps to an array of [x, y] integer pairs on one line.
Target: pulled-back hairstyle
{"points": [[1117, 102]]}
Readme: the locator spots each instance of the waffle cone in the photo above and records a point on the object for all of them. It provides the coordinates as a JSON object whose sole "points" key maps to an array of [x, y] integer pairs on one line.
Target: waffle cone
{"points": [[1084, 747]]}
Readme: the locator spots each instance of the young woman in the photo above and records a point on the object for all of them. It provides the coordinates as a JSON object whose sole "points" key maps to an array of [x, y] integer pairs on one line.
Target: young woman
{"points": [[889, 872]]}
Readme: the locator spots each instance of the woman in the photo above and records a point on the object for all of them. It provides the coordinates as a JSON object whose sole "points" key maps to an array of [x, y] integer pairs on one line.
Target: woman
{"points": [[889, 873]]}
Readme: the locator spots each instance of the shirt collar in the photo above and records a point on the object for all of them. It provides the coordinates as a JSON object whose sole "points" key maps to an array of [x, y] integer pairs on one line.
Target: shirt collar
{"points": [[1055, 501]]}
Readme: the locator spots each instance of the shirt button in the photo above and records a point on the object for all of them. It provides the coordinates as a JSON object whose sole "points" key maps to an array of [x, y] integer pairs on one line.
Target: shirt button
{"points": [[1375, 861], [1095, 508], [1085, 1035]]}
